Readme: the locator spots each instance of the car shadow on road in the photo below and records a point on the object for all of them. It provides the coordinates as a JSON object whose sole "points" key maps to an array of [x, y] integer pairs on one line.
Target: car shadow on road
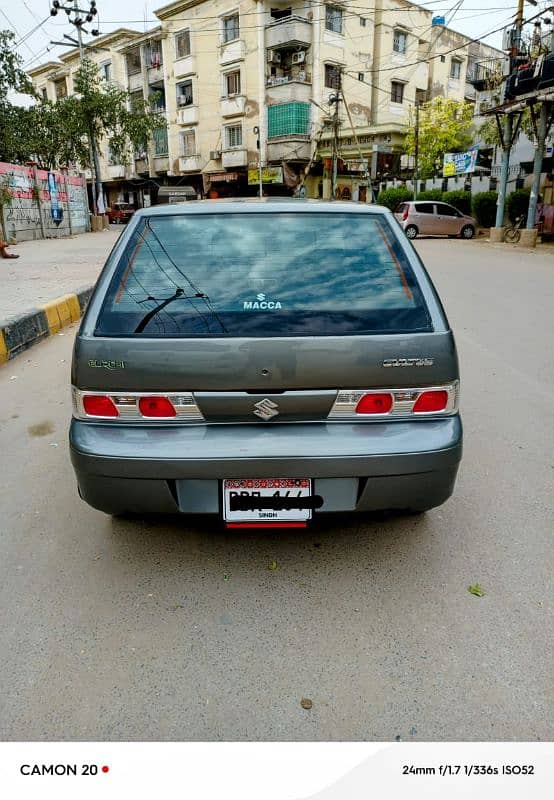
{"points": [[159, 542]]}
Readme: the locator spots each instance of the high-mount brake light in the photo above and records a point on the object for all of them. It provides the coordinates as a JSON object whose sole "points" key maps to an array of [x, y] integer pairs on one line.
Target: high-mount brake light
{"points": [[156, 407], [99, 405], [374, 404], [431, 401]]}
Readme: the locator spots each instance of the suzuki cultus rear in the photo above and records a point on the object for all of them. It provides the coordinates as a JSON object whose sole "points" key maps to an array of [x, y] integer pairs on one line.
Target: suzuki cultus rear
{"points": [[267, 362]]}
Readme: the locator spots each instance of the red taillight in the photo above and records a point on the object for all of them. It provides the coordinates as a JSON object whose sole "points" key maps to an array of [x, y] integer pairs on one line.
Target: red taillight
{"points": [[405, 214], [156, 407], [99, 405], [374, 404], [431, 401]]}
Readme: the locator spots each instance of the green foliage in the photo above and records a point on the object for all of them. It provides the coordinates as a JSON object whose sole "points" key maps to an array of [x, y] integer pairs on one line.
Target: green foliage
{"points": [[101, 108], [483, 208], [59, 133], [460, 199], [430, 194], [517, 204], [13, 125], [391, 198], [12, 76], [445, 126]]}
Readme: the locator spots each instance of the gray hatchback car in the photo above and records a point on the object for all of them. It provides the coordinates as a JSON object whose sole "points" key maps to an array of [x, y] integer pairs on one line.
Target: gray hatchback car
{"points": [[265, 361]]}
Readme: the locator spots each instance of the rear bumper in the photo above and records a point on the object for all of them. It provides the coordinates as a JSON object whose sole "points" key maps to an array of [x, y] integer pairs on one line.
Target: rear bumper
{"points": [[356, 467]]}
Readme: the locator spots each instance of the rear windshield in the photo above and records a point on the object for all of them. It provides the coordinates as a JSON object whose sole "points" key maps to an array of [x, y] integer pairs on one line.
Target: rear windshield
{"points": [[271, 274]]}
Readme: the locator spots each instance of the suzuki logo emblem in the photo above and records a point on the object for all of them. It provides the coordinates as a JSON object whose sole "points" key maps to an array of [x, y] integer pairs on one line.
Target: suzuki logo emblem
{"points": [[266, 409]]}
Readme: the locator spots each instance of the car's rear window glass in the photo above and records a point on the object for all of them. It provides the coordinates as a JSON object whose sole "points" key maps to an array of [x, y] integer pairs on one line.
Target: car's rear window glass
{"points": [[425, 208], [270, 274]]}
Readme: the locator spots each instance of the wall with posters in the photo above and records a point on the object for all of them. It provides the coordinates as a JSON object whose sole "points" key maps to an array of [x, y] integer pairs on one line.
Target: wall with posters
{"points": [[41, 204]]}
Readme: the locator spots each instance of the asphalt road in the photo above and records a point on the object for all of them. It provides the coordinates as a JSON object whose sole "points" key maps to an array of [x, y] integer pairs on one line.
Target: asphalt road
{"points": [[152, 629]]}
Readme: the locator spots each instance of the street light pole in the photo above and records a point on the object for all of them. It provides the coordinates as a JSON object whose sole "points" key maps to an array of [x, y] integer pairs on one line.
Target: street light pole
{"points": [[260, 176], [416, 149]]}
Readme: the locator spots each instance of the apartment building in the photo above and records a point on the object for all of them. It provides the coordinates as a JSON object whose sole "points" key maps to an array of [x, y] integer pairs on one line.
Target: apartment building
{"points": [[239, 84]]}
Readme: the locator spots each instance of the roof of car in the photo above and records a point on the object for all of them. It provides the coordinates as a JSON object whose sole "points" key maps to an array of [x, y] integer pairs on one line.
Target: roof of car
{"points": [[256, 204]]}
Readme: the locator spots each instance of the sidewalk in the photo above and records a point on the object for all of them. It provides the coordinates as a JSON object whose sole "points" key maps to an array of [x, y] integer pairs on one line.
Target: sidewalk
{"points": [[48, 286], [48, 268]]}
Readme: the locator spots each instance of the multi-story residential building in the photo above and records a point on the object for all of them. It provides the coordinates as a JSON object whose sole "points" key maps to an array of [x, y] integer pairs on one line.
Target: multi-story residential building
{"points": [[239, 84]]}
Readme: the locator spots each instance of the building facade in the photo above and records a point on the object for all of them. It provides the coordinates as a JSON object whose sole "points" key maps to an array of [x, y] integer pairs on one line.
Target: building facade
{"points": [[277, 85]]}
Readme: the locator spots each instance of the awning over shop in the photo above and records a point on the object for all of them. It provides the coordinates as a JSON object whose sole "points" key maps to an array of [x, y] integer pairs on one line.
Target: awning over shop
{"points": [[220, 177], [178, 192]]}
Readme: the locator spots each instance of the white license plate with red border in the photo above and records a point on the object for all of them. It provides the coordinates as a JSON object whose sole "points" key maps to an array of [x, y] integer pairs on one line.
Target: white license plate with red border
{"points": [[265, 489]]}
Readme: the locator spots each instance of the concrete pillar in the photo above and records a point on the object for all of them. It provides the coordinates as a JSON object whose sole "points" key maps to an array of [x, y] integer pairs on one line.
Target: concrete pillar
{"points": [[497, 234], [528, 237]]}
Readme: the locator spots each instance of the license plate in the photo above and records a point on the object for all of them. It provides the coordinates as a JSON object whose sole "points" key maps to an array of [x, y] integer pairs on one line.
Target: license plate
{"points": [[267, 500]]}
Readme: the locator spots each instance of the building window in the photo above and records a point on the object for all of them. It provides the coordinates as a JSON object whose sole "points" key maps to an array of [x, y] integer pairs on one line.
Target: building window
{"points": [[232, 83], [233, 136], [332, 76], [184, 94], [363, 22], [61, 89], [133, 61], [182, 44], [187, 143], [157, 98], [44, 94], [288, 119], [361, 76], [111, 158], [231, 29], [106, 71], [136, 101], [443, 59], [160, 141], [400, 42], [155, 55], [333, 18], [455, 69], [396, 92]]}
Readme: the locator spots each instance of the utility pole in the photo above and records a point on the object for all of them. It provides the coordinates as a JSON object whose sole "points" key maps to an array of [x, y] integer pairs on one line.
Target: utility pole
{"points": [[80, 17], [545, 119], [335, 98], [416, 149]]}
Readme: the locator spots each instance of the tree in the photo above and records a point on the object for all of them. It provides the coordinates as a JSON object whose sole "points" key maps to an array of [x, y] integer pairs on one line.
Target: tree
{"points": [[101, 109], [13, 126], [445, 126], [12, 76]]}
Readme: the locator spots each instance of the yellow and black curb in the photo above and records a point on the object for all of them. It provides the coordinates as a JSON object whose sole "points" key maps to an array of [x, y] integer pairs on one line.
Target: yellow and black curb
{"points": [[20, 333]]}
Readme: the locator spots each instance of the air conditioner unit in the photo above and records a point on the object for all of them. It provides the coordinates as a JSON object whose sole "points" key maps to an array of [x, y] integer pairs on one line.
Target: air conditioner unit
{"points": [[274, 56], [215, 155], [299, 58]]}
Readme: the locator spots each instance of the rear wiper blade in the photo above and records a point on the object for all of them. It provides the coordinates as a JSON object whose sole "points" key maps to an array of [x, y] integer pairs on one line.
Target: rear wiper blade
{"points": [[179, 295]]}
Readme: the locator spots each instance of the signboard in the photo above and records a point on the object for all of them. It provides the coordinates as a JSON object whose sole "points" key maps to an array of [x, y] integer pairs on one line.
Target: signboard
{"points": [[269, 175], [459, 163]]}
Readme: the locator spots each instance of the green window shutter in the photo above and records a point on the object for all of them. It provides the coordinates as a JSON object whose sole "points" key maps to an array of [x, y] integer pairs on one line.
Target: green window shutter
{"points": [[288, 119]]}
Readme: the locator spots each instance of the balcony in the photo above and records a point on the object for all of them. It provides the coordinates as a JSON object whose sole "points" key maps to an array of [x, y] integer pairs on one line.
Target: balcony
{"points": [[161, 163], [232, 51], [295, 147], [184, 66], [187, 115], [235, 157], [190, 163], [116, 171], [233, 106], [288, 89], [135, 82], [156, 73], [288, 31]]}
